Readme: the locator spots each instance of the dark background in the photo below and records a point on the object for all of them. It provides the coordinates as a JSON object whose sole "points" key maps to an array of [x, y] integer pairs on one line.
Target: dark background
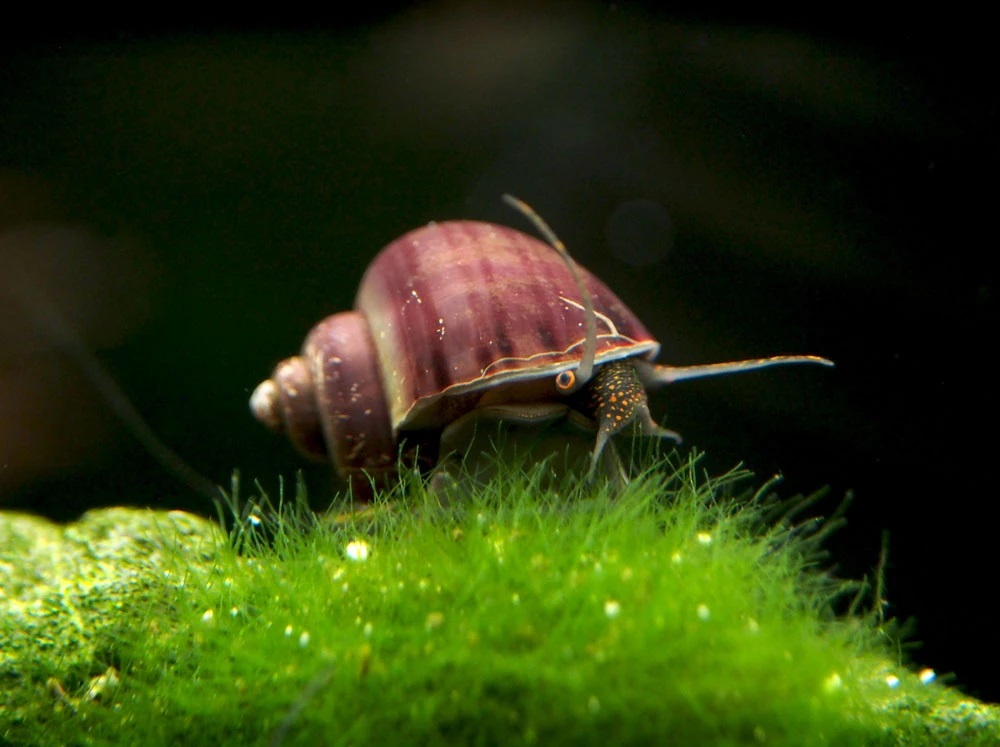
{"points": [[191, 200]]}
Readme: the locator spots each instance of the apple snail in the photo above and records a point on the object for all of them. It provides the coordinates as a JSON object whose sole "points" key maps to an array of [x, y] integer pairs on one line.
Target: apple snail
{"points": [[458, 319]]}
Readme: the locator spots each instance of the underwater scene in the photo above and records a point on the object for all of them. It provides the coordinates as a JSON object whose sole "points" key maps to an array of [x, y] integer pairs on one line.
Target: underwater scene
{"points": [[470, 373]]}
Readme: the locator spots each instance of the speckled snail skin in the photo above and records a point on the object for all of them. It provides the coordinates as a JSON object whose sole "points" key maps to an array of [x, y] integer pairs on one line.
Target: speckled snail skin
{"points": [[461, 318]]}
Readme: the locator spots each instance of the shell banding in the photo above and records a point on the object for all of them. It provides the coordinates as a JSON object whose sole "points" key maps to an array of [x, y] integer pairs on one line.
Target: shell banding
{"points": [[448, 317], [462, 307]]}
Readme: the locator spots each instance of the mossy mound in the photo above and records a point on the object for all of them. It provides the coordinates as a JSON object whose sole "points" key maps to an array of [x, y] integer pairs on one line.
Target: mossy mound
{"points": [[519, 614]]}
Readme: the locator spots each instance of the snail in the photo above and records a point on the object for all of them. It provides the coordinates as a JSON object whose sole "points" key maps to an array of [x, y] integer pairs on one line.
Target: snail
{"points": [[460, 321]]}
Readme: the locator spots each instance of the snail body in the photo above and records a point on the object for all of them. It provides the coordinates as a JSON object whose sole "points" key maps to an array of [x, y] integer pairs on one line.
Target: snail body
{"points": [[459, 318]]}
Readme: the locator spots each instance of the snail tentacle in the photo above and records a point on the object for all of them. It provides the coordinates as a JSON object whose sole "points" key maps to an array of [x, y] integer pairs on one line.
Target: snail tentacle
{"points": [[585, 368], [658, 374]]}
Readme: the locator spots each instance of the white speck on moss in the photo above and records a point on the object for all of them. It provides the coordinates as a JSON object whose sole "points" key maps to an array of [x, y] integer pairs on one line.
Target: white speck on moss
{"points": [[704, 613], [434, 620], [752, 625], [833, 683], [288, 631], [704, 538], [367, 630], [255, 520], [208, 616], [892, 680], [612, 608], [234, 611], [676, 558], [304, 639], [357, 550], [102, 684], [927, 676]]}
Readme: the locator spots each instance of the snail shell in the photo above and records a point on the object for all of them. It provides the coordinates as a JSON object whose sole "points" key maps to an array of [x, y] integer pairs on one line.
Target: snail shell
{"points": [[448, 317]]}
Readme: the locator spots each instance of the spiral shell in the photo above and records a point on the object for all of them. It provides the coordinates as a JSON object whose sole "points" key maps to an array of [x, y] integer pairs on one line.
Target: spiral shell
{"points": [[448, 317]]}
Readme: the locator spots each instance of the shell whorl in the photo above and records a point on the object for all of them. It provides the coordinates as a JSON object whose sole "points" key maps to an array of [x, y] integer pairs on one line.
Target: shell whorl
{"points": [[286, 404], [350, 395], [329, 400]]}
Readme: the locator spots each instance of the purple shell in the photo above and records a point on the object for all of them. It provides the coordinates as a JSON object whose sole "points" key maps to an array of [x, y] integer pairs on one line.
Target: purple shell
{"points": [[463, 311]]}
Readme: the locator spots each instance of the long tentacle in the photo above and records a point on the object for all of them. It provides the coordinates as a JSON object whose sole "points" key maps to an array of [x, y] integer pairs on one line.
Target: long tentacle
{"points": [[53, 324], [656, 374], [585, 369]]}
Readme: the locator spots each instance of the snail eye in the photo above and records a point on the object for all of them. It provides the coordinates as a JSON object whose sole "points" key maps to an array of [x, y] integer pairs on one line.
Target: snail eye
{"points": [[565, 381]]}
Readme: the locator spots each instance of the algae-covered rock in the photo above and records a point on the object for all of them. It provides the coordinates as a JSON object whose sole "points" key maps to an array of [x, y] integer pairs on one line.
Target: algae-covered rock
{"points": [[66, 591]]}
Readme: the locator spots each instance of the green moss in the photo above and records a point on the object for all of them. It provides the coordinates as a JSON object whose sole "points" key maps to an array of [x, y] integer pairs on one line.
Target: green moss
{"points": [[516, 614]]}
